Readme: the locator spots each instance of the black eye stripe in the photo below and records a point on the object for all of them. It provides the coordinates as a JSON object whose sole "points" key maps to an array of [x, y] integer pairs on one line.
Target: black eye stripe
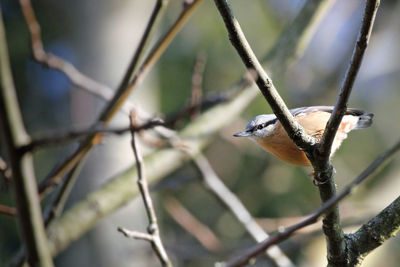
{"points": [[263, 125]]}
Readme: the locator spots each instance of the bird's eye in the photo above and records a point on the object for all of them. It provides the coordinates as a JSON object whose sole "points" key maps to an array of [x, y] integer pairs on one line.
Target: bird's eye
{"points": [[259, 127]]}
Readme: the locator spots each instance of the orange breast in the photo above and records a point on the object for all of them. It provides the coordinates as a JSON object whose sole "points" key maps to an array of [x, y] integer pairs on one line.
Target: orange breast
{"points": [[314, 123]]}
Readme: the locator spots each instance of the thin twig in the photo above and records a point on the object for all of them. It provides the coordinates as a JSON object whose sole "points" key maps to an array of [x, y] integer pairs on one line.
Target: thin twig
{"points": [[325, 208], [136, 235], [335, 119], [348, 219], [144, 41], [264, 83], [192, 225], [56, 207], [152, 228], [119, 98], [232, 202], [24, 181], [169, 122], [197, 82], [52, 61], [8, 211], [73, 135]]}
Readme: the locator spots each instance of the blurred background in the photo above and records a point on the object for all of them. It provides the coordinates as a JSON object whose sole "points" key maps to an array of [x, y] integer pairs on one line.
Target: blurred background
{"points": [[99, 38]]}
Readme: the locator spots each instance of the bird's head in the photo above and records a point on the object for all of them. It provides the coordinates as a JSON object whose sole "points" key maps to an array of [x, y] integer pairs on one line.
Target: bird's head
{"points": [[260, 127]]}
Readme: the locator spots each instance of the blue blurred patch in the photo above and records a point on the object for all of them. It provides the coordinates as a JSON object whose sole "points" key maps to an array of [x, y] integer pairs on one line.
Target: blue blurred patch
{"points": [[49, 82]]}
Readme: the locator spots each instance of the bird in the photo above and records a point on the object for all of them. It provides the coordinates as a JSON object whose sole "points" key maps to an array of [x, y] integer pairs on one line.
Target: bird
{"points": [[266, 131]]}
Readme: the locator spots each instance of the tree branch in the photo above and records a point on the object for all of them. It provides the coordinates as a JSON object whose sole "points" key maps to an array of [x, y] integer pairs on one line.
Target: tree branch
{"points": [[8, 211], [119, 98], [135, 235], [264, 83], [170, 121], [372, 234], [232, 202], [116, 192], [24, 181], [323, 169], [154, 232], [192, 225], [144, 41], [56, 207], [336, 245], [326, 207], [5, 172], [52, 61], [364, 35]]}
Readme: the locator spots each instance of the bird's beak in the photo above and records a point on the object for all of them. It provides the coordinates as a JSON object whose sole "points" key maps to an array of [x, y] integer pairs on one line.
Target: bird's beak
{"points": [[242, 134]]}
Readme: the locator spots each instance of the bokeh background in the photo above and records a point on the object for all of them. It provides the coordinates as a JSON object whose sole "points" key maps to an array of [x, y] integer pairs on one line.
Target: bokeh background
{"points": [[99, 38]]}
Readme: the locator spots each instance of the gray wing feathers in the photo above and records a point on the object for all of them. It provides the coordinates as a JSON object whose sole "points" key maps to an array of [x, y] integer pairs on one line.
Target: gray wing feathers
{"points": [[364, 118]]}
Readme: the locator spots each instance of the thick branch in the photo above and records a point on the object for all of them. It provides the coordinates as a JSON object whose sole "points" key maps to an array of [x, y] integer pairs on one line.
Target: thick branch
{"points": [[24, 182], [390, 226], [372, 234], [323, 169]]}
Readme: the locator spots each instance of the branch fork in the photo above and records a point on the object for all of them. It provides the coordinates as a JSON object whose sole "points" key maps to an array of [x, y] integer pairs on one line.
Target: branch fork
{"points": [[318, 153]]}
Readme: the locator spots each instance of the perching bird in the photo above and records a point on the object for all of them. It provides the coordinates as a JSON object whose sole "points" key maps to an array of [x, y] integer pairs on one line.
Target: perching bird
{"points": [[269, 133]]}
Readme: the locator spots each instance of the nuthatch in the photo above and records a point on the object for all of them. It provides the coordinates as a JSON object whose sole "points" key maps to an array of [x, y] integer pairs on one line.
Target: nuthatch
{"points": [[269, 133]]}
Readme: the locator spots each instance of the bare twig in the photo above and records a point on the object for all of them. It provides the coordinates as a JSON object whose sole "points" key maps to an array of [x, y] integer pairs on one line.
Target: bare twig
{"points": [[72, 135], [52, 61], [56, 207], [325, 208], [231, 201], [24, 181], [152, 228], [197, 81], [136, 235], [119, 98], [8, 211], [170, 121], [155, 16], [192, 225], [349, 219], [364, 35]]}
